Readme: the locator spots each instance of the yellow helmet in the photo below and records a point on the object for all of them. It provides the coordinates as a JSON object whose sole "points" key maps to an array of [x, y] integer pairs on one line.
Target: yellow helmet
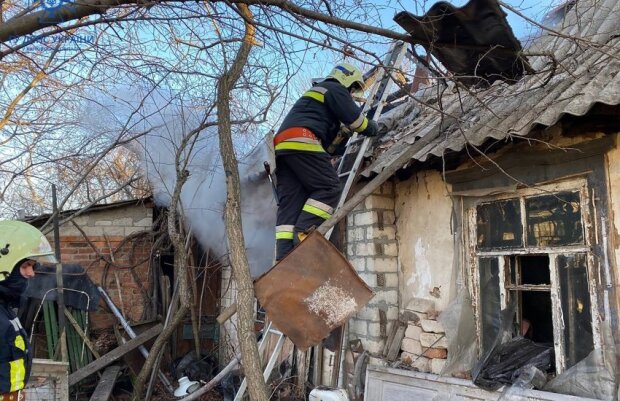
{"points": [[18, 241], [347, 75]]}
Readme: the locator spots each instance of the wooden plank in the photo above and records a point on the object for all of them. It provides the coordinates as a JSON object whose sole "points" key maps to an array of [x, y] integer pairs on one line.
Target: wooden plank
{"points": [[390, 339], [337, 356], [104, 388], [396, 341], [301, 358], [114, 355], [72, 356], [51, 339], [80, 332]]}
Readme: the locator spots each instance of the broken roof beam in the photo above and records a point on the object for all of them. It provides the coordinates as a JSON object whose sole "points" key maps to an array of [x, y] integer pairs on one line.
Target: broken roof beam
{"points": [[114, 355]]}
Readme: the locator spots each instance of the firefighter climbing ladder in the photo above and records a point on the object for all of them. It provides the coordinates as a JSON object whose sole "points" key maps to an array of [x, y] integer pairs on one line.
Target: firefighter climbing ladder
{"points": [[351, 161], [348, 167]]}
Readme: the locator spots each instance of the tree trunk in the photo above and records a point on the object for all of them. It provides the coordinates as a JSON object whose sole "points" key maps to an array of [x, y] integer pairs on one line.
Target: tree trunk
{"points": [[232, 218], [177, 237]]}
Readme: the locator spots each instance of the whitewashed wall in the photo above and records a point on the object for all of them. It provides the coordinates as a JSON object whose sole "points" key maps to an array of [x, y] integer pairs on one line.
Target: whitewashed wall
{"points": [[426, 248]]}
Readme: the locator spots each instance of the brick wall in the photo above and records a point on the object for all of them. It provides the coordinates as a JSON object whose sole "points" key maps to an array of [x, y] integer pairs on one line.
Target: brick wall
{"points": [[425, 346], [372, 249], [118, 235]]}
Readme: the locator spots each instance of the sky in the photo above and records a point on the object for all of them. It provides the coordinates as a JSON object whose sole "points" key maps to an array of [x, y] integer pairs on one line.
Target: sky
{"points": [[320, 63]]}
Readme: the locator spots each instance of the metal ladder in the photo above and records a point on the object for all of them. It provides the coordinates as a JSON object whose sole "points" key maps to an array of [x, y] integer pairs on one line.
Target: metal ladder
{"points": [[272, 359], [357, 144], [356, 148]]}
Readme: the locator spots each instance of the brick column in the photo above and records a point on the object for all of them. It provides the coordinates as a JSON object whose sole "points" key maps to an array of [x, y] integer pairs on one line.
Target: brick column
{"points": [[425, 345], [373, 250]]}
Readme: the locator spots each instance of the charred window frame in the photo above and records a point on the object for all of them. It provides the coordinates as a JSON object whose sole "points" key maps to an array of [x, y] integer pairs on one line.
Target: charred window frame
{"points": [[533, 246]]}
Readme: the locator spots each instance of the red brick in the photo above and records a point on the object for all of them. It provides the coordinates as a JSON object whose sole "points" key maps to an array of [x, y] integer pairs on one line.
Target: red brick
{"points": [[437, 353]]}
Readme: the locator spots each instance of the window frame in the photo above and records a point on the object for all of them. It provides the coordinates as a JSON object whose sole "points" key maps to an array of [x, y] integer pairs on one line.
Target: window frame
{"points": [[589, 236]]}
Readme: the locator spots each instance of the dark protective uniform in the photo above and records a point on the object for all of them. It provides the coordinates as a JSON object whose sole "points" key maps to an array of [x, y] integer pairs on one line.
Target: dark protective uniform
{"points": [[15, 355], [308, 185]]}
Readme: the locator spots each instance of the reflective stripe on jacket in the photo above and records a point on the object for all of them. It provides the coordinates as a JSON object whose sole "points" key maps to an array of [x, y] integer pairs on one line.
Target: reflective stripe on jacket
{"points": [[322, 109], [15, 356]]}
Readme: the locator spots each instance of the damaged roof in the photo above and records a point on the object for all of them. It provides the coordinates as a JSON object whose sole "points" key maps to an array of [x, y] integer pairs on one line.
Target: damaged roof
{"points": [[580, 74], [474, 42]]}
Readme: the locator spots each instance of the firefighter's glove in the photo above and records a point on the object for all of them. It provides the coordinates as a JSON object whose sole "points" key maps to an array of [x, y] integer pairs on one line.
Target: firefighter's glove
{"points": [[383, 129], [372, 129]]}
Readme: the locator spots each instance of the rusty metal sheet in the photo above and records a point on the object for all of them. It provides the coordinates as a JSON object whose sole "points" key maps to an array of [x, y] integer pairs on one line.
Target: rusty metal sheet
{"points": [[313, 290]]}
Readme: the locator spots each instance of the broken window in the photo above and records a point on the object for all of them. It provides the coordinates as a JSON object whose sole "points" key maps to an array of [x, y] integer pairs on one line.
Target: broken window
{"points": [[554, 220], [489, 309], [532, 250], [577, 318], [531, 286], [499, 225]]}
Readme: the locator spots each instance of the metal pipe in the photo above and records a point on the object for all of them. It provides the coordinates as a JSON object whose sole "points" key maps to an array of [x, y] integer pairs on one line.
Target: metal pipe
{"points": [[132, 334]]}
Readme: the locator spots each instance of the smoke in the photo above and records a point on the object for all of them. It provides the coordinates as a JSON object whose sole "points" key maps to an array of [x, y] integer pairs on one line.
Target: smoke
{"points": [[166, 122]]}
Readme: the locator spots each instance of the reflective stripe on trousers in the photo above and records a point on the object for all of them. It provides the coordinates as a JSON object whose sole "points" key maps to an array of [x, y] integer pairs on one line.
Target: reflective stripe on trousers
{"points": [[309, 189]]}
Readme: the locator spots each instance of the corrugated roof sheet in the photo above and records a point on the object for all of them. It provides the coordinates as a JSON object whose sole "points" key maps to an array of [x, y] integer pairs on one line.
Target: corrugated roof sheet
{"points": [[585, 72]]}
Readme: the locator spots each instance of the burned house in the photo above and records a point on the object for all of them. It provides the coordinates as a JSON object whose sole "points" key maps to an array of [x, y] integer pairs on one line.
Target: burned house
{"points": [[104, 238], [493, 243], [120, 249], [503, 225], [492, 249]]}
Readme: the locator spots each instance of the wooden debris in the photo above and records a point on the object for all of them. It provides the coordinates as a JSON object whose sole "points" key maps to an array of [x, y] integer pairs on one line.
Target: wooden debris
{"points": [[399, 328], [114, 355], [388, 341], [104, 388]]}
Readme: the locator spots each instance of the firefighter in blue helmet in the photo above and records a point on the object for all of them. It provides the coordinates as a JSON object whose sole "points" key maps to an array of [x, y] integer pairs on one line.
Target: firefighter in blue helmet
{"points": [[22, 246], [308, 185]]}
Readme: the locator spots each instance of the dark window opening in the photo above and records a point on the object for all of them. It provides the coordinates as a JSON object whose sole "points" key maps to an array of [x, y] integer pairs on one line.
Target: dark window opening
{"points": [[536, 316], [531, 284], [550, 220], [529, 270]]}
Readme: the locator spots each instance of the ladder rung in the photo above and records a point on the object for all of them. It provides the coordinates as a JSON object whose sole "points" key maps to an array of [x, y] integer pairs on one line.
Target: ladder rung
{"points": [[276, 332], [346, 173], [357, 139]]}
